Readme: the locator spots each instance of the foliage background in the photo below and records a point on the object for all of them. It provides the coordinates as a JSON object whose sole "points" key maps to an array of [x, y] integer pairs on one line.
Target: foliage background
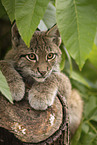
{"points": [[77, 23]]}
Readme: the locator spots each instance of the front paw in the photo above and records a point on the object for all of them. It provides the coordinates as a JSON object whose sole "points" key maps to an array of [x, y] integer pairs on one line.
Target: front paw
{"points": [[14, 80], [17, 89], [40, 101]]}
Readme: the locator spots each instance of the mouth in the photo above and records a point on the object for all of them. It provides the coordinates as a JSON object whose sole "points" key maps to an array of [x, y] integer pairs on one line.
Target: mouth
{"points": [[40, 79]]}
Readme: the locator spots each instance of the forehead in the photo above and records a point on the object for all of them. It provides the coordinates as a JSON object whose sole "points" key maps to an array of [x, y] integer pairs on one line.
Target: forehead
{"points": [[40, 42]]}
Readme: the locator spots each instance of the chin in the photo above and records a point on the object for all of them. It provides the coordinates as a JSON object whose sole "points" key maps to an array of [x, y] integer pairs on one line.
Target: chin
{"points": [[39, 79]]}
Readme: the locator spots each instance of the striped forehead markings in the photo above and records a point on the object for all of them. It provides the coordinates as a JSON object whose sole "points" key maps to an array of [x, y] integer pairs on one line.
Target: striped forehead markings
{"points": [[40, 43]]}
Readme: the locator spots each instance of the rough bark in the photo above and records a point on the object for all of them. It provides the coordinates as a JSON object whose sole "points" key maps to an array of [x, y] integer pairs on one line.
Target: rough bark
{"points": [[23, 125]]}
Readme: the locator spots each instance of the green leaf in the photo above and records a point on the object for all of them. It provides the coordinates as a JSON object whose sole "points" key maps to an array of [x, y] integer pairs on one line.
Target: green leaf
{"points": [[62, 63], [85, 127], [77, 135], [10, 8], [28, 14], [94, 116], [4, 88], [76, 76], [89, 139], [49, 18], [69, 59], [77, 22], [93, 56], [90, 106]]}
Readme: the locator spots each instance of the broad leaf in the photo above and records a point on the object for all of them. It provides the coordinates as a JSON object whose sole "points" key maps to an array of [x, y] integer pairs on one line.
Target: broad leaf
{"points": [[10, 8], [62, 63], [89, 139], [49, 18], [77, 21], [93, 54], [85, 127], [94, 115], [90, 106], [79, 78], [28, 14], [89, 72], [4, 89]]}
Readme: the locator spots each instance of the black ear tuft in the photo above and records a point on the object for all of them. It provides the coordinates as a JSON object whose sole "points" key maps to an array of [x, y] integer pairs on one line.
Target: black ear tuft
{"points": [[53, 32], [15, 36], [37, 29]]}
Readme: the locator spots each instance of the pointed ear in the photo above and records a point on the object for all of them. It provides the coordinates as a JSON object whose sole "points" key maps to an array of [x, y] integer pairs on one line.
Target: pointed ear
{"points": [[15, 36], [53, 32]]}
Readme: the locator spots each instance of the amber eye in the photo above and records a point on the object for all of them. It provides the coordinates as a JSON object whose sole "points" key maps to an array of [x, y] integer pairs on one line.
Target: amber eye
{"points": [[31, 57], [50, 56]]}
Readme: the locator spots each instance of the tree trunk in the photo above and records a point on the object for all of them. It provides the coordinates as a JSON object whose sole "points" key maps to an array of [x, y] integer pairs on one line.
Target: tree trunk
{"points": [[22, 125]]}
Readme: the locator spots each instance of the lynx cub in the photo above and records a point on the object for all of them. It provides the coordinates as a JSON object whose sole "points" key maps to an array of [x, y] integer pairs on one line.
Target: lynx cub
{"points": [[38, 65]]}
